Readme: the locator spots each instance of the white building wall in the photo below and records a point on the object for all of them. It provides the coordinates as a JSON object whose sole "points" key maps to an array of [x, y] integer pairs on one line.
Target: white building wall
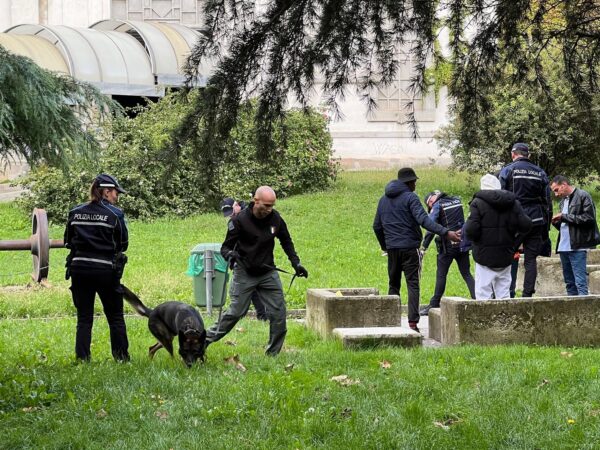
{"points": [[358, 141], [75, 13]]}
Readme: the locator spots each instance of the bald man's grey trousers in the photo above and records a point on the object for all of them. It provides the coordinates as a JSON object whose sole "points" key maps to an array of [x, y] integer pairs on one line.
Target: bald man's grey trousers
{"points": [[270, 291]]}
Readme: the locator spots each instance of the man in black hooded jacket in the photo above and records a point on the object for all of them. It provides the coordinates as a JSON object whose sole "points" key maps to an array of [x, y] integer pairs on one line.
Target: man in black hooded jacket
{"points": [[495, 220], [397, 226]]}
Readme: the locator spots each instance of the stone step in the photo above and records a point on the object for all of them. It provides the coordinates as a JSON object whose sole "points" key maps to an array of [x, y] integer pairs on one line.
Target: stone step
{"points": [[374, 336], [435, 324]]}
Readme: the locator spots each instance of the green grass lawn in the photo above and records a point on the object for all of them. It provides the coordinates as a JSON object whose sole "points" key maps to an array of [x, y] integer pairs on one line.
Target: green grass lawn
{"points": [[332, 232], [463, 397]]}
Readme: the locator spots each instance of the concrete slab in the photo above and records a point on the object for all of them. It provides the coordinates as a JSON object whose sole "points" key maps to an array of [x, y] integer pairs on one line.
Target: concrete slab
{"points": [[327, 309], [566, 321], [374, 336], [435, 324]]}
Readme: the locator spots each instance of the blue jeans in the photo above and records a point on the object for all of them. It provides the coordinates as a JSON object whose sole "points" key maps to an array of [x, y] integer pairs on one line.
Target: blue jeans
{"points": [[574, 272]]}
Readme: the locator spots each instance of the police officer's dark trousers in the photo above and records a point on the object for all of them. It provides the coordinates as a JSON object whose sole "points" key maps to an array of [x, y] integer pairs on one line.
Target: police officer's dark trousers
{"points": [[444, 261], [84, 287], [270, 291], [409, 262], [533, 244]]}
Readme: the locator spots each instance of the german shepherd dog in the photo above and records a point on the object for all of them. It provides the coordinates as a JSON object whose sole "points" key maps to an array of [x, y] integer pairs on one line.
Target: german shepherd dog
{"points": [[172, 319]]}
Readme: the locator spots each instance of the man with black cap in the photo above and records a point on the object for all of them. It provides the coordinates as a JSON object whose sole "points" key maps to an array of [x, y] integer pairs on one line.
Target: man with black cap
{"points": [[97, 235], [397, 226], [231, 208], [447, 211], [531, 187]]}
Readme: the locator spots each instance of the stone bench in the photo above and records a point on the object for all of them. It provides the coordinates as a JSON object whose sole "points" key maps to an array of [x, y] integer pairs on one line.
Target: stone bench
{"points": [[550, 283], [374, 336], [565, 321], [327, 309]]}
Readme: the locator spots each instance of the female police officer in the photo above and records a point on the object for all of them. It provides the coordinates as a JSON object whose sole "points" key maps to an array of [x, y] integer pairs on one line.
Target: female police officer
{"points": [[97, 236]]}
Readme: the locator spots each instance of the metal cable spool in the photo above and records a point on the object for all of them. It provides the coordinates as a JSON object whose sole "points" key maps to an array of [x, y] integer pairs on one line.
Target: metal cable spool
{"points": [[38, 243]]}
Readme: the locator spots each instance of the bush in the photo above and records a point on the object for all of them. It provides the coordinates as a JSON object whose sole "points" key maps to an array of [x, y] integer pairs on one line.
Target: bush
{"points": [[161, 182]]}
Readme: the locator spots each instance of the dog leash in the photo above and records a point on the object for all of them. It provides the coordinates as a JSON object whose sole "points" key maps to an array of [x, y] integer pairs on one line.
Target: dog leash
{"points": [[283, 271]]}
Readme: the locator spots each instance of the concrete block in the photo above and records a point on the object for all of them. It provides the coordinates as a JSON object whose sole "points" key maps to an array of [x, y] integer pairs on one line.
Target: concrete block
{"points": [[374, 336], [593, 257], [549, 281], [355, 308], [435, 324], [594, 283], [566, 321]]}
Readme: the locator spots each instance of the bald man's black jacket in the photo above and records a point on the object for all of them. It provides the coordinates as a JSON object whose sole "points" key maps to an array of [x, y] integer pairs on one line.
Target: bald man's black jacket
{"points": [[253, 240]]}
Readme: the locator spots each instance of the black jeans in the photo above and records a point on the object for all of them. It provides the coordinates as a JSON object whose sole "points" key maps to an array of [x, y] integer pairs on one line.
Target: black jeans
{"points": [[409, 262], [533, 245], [84, 286], [444, 261]]}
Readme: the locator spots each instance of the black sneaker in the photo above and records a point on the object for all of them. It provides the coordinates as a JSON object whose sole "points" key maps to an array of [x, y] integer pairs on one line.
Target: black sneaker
{"points": [[425, 310]]}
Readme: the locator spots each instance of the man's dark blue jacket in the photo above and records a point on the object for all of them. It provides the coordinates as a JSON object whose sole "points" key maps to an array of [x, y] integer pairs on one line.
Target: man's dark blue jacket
{"points": [[399, 218]]}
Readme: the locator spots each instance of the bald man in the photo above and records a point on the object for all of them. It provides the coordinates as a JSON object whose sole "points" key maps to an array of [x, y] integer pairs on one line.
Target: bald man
{"points": [[249, 245]]}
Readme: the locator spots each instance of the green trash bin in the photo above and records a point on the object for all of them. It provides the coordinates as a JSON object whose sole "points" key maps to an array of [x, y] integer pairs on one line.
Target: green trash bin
{"points": [[198, 264]]}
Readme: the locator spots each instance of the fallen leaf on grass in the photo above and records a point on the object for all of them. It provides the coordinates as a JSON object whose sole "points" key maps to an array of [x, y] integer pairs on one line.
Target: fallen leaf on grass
{"points": [[162, 415], [385, 364], [240, 329], [231, 343], [289, 367], [543, 383], [345, 413], [235, 361], [447, 423], [29, 409], [101, 413], [345, 380], [566, 354]]}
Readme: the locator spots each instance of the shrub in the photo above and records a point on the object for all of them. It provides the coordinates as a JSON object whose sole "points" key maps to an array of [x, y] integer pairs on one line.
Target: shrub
{"points": [[562, 134], [161, 182]]}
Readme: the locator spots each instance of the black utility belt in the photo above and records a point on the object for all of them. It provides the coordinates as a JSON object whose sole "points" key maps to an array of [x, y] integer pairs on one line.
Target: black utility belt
{"points": [[91, 260]]}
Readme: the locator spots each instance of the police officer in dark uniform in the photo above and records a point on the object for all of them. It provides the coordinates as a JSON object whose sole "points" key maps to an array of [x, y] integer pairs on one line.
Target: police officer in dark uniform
{"points": [[97, 235], [531, 186], [249, 242], [448, 212]]}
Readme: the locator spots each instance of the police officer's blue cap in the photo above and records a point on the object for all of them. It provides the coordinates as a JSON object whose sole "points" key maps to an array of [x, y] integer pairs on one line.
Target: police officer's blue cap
{"points": [[407, 174], [227, 206], [108, 181], [520, 147]]}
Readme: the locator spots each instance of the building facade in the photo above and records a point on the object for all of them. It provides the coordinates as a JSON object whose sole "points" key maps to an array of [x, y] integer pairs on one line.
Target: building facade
{"points": [[379, 138]]}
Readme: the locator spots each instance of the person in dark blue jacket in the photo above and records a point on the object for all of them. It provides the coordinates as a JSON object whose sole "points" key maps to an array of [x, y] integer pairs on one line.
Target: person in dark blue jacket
{"points": [[531, 187], [447, 211], [97, 235], [397, 226]]}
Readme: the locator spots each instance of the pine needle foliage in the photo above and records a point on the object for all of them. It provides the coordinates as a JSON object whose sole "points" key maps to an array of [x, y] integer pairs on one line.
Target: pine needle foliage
{"points": [[46, 117], [285, 47]]}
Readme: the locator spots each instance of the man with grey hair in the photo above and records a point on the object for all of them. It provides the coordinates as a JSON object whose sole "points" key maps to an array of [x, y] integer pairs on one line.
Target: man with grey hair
{"points": [[249, 245], [495, 218]]}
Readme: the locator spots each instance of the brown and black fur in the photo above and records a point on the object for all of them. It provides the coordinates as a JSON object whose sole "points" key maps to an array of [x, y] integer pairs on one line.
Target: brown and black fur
{"points": [[172, 319]]}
